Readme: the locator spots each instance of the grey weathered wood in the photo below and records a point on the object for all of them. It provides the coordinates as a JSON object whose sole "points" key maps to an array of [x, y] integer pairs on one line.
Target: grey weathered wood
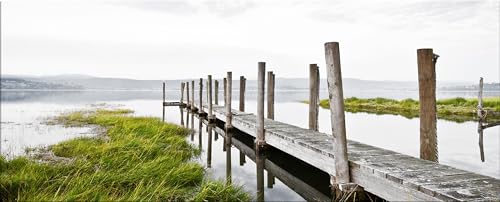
{"points": [[427, 96], [192, 95], [225, 91], [200, 110], [182, 92], [313, 96], [229, 87], [163, 117], [242, 93], [334, 77], [187, 95], [390, 175], [209, 92], [260, 141], [216, 90], [270, 95], [480, 114]]}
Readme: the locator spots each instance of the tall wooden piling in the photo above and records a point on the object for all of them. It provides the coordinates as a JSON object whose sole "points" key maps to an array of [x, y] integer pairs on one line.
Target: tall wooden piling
{"points": [[427, 95], [209, 92], [229, 86], [192, 95], [481, 115], [242, 93], [270, 95], [313, 96], [259, 165], [187, 96], [225, 91], [200, 107], [209, 146], [216, 91], [334, 77], [227, 146], [260, 140], [163, 103], [182, 93]]}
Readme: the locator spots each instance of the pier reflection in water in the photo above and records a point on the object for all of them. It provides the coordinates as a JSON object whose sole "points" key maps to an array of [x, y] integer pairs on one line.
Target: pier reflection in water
{"points": [[287, 178]]}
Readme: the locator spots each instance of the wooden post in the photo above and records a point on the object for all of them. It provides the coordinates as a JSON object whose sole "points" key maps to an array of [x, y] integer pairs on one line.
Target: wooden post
{"points": [[270, 95], [216, 90], [209, 92], [480, 114], [242, 158], [260, 140], [225, 91], [229, 115], [192, 95], [200, 108], [335, 91], [182, 93], [187, 96], [227, 145], [259, 164], [242, 93], [427, 95], [163, 103], [313, 96]]}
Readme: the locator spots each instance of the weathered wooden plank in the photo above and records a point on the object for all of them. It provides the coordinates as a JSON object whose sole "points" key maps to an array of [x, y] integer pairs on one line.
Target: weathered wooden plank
{"points": [[313, 96]]}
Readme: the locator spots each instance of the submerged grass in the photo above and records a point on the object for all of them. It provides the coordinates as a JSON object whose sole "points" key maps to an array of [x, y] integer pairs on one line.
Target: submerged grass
{"points": [[454, 109], [140, 159]]}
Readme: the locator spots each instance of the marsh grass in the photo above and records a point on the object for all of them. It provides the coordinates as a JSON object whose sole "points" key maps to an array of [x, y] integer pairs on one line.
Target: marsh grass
{"points": [[141, 159], [454, 109]]}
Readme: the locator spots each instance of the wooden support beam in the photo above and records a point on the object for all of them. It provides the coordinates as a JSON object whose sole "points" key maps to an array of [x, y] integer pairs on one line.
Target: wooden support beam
{"points": [[313, 96], [260, 141], [227, 146], [225, 91], [182, 93], [242, 93], [334, 77], [200, 107], [242, 158], [270, 95], [216, 90], [163, 105], [209, 147], [229, 86], [192, 95], [427, 95], [187, 96], [259, 164], [211, 116]]}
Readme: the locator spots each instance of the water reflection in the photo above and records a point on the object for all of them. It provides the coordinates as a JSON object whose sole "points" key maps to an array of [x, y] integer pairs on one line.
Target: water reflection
{"points": [[227, 146]]}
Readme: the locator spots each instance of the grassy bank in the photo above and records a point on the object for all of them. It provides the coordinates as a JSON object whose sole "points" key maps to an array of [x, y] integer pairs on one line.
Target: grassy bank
{"points": [[138, 158], [454, 109]]}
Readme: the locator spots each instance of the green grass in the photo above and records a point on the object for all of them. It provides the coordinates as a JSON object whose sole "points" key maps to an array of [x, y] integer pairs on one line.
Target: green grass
{"points": [[454, 109], [140, 158]]}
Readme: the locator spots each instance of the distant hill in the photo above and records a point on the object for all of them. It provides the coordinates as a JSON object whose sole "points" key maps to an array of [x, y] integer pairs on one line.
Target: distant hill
{"points": [[17, 83], [98, 83]]}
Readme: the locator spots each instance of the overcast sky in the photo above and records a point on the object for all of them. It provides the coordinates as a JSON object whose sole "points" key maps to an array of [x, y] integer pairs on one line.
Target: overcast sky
{"points": [[171, 39]]}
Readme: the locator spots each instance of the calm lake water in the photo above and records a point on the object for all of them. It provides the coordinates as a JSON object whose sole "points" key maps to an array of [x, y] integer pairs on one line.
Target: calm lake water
{"points": [[23, 114]]}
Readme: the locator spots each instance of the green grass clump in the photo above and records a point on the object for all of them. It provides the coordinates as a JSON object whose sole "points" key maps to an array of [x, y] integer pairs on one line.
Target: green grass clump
{"points": [[140, 158], [454, 109]]}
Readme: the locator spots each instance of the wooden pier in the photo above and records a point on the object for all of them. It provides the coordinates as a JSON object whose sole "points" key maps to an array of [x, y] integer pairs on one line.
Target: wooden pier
{"points": [[352, 166], [387, 174]]}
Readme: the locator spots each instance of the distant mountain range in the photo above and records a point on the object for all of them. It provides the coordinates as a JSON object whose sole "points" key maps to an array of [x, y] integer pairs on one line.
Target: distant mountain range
{"points": [[79, 82]]}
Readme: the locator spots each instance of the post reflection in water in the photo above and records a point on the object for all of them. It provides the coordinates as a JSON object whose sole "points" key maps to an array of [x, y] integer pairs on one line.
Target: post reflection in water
{"points": [[209, 146], [200, 133], [227, 146], [242, 158], [259, 163], [181, 109]]}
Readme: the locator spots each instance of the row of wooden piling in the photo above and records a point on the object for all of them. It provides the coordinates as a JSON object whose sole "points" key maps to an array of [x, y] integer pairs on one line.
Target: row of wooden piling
{"points": [[427, 96]]}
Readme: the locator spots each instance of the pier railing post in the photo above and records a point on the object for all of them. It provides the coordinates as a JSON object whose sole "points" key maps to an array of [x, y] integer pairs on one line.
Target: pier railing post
{"points": [[427, 95], [242, 93], [216, 91], [270, 95], [313, 96], [334, 77], [229, 86], [200, 110], [187, 96], [182, 93], [163, 103], [225, 91], [192, 96], [260, 140], [211, 116]]}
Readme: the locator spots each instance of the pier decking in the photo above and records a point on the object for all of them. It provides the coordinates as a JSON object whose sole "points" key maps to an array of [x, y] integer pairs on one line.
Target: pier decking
{"points": [[387, 174]]}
